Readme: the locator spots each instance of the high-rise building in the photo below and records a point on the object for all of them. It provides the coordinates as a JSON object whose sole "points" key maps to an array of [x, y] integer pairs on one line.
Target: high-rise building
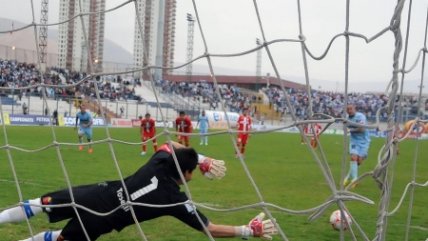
{"points": [[155, 16], [72, 45]]}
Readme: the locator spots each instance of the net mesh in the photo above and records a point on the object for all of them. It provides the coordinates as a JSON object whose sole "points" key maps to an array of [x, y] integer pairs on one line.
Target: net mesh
{"points": [[383, 173]]}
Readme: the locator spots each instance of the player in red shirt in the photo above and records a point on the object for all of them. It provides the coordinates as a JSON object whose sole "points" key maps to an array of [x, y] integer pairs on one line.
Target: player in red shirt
{"points": [[312, 130], [244, 126], [183, 124], [148, 131]]}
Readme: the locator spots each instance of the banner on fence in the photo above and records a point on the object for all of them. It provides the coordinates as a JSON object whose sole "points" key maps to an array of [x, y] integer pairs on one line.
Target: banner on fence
{"points": [[71, 121], [28, 120], [218, 120], [136, 122], [118, 122]]}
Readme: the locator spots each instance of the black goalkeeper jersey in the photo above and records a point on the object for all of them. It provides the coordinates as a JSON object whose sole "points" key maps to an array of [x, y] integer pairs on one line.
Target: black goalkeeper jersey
{"points": [[149, 185]]}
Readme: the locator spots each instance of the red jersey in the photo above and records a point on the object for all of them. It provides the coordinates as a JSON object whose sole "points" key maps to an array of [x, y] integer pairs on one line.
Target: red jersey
{"points": [[316, 128], [148, 127], [183, 124], [244, 123]]}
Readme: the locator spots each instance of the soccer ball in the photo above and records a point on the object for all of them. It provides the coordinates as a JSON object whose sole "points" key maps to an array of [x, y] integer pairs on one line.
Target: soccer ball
{"points": [[336, 220]]}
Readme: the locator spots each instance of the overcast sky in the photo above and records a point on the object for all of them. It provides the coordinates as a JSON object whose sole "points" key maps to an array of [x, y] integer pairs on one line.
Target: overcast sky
{"points": [[230, 26]]}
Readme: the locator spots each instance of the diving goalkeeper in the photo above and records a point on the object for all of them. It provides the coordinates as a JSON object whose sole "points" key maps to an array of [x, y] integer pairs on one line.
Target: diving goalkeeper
{"points": [[157, 183]]}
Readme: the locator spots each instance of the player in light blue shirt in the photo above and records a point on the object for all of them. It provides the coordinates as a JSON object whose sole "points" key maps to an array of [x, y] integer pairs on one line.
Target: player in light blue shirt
{"points": [[203, 124], [84, 119], [359, 142]]}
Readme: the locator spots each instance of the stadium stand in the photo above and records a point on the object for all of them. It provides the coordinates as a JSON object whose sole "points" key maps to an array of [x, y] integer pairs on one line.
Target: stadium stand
{"points": [[129, 98]]}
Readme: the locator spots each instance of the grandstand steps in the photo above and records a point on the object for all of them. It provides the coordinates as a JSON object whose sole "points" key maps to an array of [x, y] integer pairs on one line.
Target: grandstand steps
{"points": [[178, 102], [146, 92], [95, 108], [265, 110]]}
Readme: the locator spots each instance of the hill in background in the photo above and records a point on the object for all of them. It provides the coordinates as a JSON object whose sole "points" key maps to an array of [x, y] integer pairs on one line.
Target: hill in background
{"points": [[25, 39]]}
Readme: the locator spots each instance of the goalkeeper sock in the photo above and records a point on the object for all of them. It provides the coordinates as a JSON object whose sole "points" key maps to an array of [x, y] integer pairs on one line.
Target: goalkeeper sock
{"points": [[354, 170], [45, 236], [18, 214]]}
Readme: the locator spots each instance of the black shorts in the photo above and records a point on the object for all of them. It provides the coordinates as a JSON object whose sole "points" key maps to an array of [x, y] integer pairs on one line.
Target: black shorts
{"points": [[85, 196], [94, 227]]}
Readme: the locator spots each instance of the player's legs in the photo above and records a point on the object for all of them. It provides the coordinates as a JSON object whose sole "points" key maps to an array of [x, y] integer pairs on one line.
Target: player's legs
{"points": [[204, 137], [358, 153], [180, 139], [238, 143], [155, 144], [80, 134], [314, 142], [94, 227], [353, 170], [186, 141], [354, 167], [244, 139], [353, 164], [144, 145], [21, 213], [362, 152], [201, 133], [88, 134], [46, 236]]}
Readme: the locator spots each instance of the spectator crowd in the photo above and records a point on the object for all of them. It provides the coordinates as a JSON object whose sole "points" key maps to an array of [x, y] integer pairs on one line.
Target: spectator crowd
{"points": [[15, 75], [332, 103]]}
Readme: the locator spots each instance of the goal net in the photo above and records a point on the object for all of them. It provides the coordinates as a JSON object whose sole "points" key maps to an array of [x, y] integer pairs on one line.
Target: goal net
{"points": [[349, 43]]}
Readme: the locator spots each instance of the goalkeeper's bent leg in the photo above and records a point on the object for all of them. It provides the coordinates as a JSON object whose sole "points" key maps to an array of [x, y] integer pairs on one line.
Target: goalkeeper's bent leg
{"points": [[18, 214], [45, 236]]}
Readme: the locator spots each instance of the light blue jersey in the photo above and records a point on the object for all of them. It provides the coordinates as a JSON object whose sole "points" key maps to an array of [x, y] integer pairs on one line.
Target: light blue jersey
{"points": [[203, 128], [203, 122], [84, 118], [359, 141], [85, 122]]}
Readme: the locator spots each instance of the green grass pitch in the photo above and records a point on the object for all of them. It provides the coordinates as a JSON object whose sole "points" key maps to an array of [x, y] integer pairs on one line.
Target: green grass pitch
{"points": [[282, 168]]}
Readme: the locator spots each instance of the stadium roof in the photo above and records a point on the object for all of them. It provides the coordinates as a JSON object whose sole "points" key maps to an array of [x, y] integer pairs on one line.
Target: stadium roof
{"points": [[240, 80]]}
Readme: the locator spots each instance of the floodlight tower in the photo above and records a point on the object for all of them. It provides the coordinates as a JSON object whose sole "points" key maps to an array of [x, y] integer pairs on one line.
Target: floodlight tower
{"points": [[43, 34], [259, 64], [190, 33]]}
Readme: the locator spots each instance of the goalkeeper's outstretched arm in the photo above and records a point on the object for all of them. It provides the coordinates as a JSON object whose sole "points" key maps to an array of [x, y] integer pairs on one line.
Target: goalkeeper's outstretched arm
{"points": [[257, 227]]}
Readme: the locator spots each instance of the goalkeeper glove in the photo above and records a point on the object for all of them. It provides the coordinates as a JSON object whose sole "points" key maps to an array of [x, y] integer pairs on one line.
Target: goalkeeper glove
{"points": [[211, 168], [258, 227]]}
